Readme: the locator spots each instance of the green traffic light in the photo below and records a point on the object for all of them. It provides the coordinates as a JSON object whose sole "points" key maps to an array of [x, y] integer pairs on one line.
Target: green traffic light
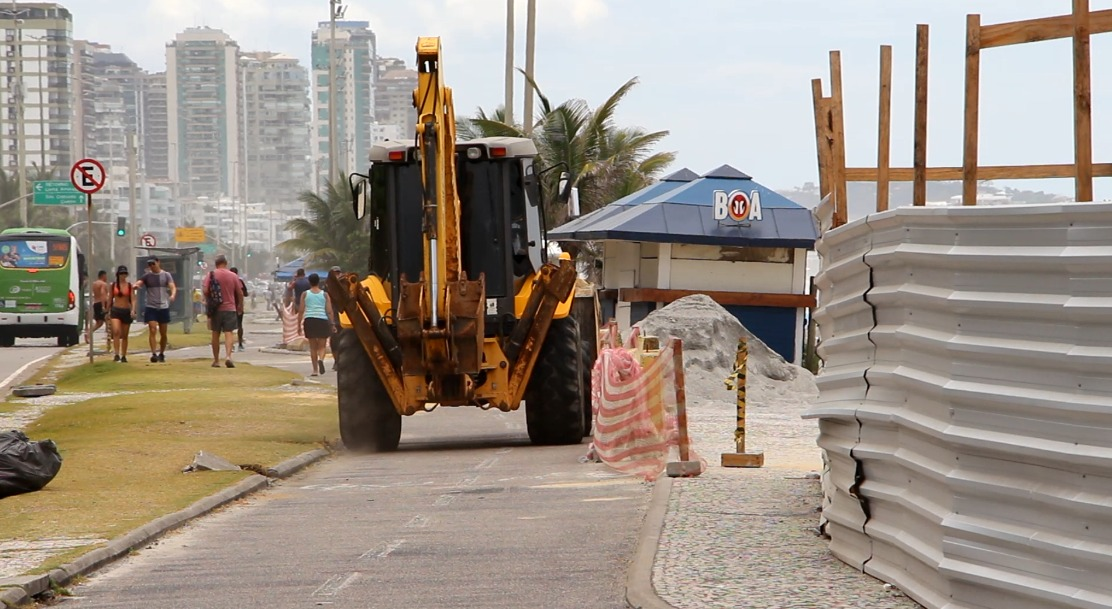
{"points": [[120, 232]]}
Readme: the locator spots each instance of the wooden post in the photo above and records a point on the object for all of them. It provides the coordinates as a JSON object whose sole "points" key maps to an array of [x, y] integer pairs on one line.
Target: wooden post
{"points": [[1082, 108], [822, 137], [685, 467], [884, 132], [972, 108], [922, 48], [841, 198], [742, 458], [681, 400]]}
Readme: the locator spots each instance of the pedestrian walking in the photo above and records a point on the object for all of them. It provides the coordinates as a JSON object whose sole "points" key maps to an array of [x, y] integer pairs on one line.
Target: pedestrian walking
{"points": [[198, 304], [101, 304], [315, 318], [161, 291], [224, 303], [239, 318], [122, 312], [335, 321], [298, 286]]}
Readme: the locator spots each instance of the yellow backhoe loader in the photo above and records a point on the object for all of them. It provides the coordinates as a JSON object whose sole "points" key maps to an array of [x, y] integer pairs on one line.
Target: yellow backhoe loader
{"points": [[461, 306]]}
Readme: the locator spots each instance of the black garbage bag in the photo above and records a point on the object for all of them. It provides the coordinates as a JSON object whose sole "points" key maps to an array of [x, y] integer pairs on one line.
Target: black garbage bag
{"points": [[26, 466]]}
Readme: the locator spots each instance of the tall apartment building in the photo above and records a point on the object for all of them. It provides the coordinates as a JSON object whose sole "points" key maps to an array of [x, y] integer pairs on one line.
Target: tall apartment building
{"points": [[107, 105], [355, 49], [155, 130], [276, 130], [394, 96], [203, 112], [35, 96]]}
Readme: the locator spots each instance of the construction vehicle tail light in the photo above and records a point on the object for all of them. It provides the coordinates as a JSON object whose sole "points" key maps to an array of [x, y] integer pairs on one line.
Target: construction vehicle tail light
{"points": [[72, 300], [397, 155], [498, 152]]}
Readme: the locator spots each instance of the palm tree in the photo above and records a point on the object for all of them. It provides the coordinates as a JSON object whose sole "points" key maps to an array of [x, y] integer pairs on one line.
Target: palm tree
{"points": [[605, 161], [329, 235]]}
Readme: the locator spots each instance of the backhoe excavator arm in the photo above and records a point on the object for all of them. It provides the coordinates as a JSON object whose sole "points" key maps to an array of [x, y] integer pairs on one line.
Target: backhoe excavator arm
{"points": [[436, 139]]}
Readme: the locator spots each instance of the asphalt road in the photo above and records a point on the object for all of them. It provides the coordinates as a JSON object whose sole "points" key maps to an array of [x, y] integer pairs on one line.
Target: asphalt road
{"points": [[20, 361], [465, 514]]}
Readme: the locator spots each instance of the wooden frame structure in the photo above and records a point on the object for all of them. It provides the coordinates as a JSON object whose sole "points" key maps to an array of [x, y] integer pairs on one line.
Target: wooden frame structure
{"points": [[1080, 25]]}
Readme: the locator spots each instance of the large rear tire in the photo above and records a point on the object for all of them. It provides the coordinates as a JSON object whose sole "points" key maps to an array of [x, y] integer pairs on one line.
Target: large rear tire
{"points": [[554, 396], [368, 421], [7, 340]]}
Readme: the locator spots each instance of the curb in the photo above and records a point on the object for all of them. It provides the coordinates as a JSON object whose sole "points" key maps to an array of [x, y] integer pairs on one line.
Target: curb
{"points": [[23, 589], [640, 593]]}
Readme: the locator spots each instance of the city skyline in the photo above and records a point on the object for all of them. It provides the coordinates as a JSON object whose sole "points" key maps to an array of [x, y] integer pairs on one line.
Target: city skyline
{"points": [[749, 61]]}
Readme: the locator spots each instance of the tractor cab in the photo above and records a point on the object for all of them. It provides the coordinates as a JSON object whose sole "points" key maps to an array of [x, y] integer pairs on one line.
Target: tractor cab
{"points": [[500, 215]]}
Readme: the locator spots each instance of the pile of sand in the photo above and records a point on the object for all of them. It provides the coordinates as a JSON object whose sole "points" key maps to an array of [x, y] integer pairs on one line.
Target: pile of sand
{"points": [[710, 338]]}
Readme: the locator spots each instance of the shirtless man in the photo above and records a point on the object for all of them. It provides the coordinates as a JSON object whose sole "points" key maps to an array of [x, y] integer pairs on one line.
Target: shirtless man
{"points": [[101, 304]]}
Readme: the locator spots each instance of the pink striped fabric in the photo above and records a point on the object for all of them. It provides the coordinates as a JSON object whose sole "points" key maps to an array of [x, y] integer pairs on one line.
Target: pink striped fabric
{"points": [[634, 411], [292, 334]]}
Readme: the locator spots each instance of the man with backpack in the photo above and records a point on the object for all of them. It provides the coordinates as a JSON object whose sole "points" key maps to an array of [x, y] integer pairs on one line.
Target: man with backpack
{"points": [[223, 305]]}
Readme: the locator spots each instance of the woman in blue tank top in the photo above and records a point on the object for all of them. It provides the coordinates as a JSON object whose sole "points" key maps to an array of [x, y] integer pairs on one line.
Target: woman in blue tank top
{"points": [[315, 318]]}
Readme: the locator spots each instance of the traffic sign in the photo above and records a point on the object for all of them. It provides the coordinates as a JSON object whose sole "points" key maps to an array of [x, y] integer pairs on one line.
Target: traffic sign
{"points": [[208, 248], [57, 192], [87, 176], [189, 234], [147, 240]]}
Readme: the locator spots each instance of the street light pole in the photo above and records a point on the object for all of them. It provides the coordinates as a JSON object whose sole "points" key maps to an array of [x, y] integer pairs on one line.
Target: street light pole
{"points": [[509, 107], [131, 163], [246, 170], [530, 45], [21, 136], [332, 8]]}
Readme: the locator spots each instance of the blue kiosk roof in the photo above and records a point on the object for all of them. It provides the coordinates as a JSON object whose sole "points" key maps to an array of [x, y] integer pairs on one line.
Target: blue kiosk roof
{"points": [[286, 271], [680, 209]]}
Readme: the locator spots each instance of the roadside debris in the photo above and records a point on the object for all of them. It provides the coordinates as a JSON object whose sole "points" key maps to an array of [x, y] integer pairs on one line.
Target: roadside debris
{"points": [[26, 466], [205, 462], [34, 391]]}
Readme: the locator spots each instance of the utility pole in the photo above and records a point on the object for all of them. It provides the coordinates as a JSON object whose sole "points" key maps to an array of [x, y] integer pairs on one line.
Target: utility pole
{"points": [[21, 136], [332, 8], [530, 46], [509, 104], [246, 170], [130, 237]]}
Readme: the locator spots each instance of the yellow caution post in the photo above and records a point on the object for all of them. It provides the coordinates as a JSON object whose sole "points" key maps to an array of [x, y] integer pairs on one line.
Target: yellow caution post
{"points": [[742, 458]]}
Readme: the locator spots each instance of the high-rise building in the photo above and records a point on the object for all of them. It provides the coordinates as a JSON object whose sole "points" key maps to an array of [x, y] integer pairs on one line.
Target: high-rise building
{"points": [[203, 110], [355, 50], [276, 131], [394, 96], [107, 105], [35, 95], [154, 130]]}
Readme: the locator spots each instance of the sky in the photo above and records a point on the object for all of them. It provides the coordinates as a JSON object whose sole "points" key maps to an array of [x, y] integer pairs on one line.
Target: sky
{"points": [[729, 79]]}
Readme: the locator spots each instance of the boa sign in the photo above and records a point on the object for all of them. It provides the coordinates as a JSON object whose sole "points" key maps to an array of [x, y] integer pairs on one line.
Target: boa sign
{"points": [[737, 205]]}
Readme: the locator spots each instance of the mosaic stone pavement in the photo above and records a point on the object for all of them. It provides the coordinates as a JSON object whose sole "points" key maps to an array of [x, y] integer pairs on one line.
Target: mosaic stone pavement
{"points": [[748, 538]]}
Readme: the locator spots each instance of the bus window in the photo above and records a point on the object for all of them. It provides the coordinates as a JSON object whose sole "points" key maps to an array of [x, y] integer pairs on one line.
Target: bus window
{"points": [[34, 253]]}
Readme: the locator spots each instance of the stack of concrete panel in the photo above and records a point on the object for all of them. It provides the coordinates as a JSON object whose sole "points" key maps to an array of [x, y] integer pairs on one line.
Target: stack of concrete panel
{"points": [[966, 412]]}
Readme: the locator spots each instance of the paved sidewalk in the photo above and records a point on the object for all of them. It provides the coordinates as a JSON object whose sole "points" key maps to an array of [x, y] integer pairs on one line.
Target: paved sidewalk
{"points": [[747, 538]]}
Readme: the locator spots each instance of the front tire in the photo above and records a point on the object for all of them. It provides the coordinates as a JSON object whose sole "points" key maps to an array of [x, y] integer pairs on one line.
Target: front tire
{"points": [[368, 421], [554, 407]]}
